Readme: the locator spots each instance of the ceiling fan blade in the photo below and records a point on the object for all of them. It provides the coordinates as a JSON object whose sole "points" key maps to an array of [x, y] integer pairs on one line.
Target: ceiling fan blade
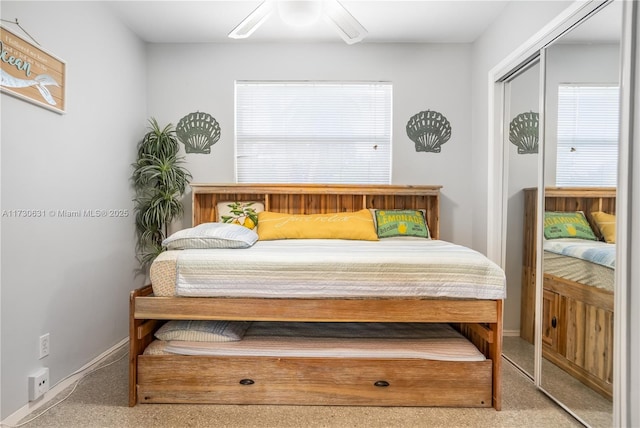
{"points": [[348, 27], [252, 21]]}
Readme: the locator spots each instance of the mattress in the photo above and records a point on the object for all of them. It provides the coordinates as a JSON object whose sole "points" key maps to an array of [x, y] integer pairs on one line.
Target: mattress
{"points": [[587, 262], [597, 252], [578, 270], [330, 268], [335, 340]]}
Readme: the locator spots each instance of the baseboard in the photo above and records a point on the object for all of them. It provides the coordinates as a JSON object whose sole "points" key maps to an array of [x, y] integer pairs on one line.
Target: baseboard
{"points": [[32, 406], [510, 333]]}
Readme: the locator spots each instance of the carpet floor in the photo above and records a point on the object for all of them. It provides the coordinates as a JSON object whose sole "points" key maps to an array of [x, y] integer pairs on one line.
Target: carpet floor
{"points": [[591, 407]]}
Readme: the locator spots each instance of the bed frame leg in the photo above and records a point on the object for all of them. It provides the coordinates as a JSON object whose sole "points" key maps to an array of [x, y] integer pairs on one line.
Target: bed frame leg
{"points": [[136, 343], [133, 352], [495, 351]]}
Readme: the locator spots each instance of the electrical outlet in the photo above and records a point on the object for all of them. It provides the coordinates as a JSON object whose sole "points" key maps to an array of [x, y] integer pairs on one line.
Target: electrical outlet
{"points": [[44, 345], [38, 383]]}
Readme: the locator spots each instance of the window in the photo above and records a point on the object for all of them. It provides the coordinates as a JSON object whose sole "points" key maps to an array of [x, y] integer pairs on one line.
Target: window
{"points": [[587, 151], [313, 132]]}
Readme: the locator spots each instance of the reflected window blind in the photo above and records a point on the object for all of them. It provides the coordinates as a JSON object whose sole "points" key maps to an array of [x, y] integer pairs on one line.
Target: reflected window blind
{"points": [[588, 120], [313, 132]]}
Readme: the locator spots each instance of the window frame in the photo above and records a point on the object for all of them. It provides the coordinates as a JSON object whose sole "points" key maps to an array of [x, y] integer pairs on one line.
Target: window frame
{"points": [[601, 175], [361, 138]]}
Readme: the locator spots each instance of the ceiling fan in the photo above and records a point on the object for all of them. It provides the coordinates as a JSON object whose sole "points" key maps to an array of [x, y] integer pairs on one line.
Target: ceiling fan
{"points": [[300, 13]]}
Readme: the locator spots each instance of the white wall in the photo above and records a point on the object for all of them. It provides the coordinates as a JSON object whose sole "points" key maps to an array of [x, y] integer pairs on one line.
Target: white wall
{"points": [[69, 277], [183, 79]]}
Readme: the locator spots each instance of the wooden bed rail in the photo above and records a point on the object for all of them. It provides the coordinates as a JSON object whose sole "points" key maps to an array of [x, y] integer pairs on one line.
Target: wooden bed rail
{"points": [[317, 310]]}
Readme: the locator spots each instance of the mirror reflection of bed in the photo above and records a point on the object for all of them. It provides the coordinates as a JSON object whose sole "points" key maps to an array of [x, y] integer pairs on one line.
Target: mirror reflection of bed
{"points": [[577, 315]]}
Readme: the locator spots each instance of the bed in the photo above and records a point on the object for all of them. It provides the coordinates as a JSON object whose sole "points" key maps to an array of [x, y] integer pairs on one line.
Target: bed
{"points": [[381, 377], [577, 318]]}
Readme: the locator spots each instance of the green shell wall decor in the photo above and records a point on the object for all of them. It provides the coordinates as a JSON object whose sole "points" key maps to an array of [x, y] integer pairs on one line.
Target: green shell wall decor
{"points": [[523, 132], [198, 132], [429, 130]]}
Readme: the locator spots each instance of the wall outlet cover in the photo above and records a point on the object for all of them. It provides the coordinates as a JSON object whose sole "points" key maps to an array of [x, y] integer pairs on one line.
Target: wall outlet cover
{"points": [[38, 383], [44, 345]]}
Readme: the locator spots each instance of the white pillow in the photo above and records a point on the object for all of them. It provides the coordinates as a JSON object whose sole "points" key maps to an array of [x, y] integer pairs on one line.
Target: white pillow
{"points": [[211, 235], [203, 331]]}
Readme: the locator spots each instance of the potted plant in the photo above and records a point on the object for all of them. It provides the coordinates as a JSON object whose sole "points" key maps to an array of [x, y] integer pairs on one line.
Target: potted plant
{"points": [[160, 180]]}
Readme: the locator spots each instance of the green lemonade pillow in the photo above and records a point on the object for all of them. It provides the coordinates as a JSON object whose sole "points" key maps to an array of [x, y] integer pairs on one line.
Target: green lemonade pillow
{"points": [[567, 225], [390, 223]]}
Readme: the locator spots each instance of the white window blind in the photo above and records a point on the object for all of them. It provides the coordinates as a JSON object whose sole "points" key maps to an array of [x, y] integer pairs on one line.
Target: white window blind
{"points": [[587, 151], [313, 132]]}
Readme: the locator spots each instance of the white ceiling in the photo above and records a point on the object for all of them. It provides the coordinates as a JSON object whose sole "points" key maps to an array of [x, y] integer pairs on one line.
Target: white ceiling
{"points": [[429, 21]]}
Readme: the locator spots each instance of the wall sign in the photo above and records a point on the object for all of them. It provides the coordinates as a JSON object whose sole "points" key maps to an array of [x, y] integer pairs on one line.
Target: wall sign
{"points": [[30, 73], [198, 132], [523, 132], [429, 130]]}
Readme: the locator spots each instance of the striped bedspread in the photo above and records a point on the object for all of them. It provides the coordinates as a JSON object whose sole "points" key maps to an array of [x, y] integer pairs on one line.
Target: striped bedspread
{"points": [[325, 268], [592, 251], [336, 340]]}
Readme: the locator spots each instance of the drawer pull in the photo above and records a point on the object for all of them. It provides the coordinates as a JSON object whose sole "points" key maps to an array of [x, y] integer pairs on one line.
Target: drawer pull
{"points": [[246, 382], [554, 322], [381, 383]]}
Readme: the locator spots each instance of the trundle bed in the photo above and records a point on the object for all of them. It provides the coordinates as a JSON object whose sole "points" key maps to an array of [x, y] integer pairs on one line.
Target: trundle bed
{"points": [[320, 367], [577, 318]]}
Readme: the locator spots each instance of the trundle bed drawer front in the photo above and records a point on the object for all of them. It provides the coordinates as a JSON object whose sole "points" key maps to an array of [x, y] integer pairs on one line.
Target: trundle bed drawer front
{"points": [[313, 381]]}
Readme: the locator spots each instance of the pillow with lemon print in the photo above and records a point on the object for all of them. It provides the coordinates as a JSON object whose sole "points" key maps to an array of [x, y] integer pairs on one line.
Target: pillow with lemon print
{"points": [[244, 213], [391, 223], [567, 225]]}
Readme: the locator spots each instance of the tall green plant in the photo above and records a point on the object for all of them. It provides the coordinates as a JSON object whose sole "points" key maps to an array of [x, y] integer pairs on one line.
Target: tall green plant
{"points": [[160, 180]]}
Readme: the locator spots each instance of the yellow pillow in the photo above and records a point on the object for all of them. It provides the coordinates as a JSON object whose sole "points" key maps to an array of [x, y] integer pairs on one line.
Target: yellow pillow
{"points": [[347, 225], [607, 225]]}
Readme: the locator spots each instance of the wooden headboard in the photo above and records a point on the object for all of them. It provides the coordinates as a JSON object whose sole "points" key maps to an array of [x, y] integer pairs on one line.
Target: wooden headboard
{"points": [[318, 199], [568, 199]]}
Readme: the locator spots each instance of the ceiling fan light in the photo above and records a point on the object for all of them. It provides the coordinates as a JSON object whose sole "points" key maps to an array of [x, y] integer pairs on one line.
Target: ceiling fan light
{"points": [[299, 13], [347, 26], [254, 20]]}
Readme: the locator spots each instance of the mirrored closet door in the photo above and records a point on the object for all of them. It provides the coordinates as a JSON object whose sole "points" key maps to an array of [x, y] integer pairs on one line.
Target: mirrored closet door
{"points": [[581, 133], [520, 127], [558, 202]]}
